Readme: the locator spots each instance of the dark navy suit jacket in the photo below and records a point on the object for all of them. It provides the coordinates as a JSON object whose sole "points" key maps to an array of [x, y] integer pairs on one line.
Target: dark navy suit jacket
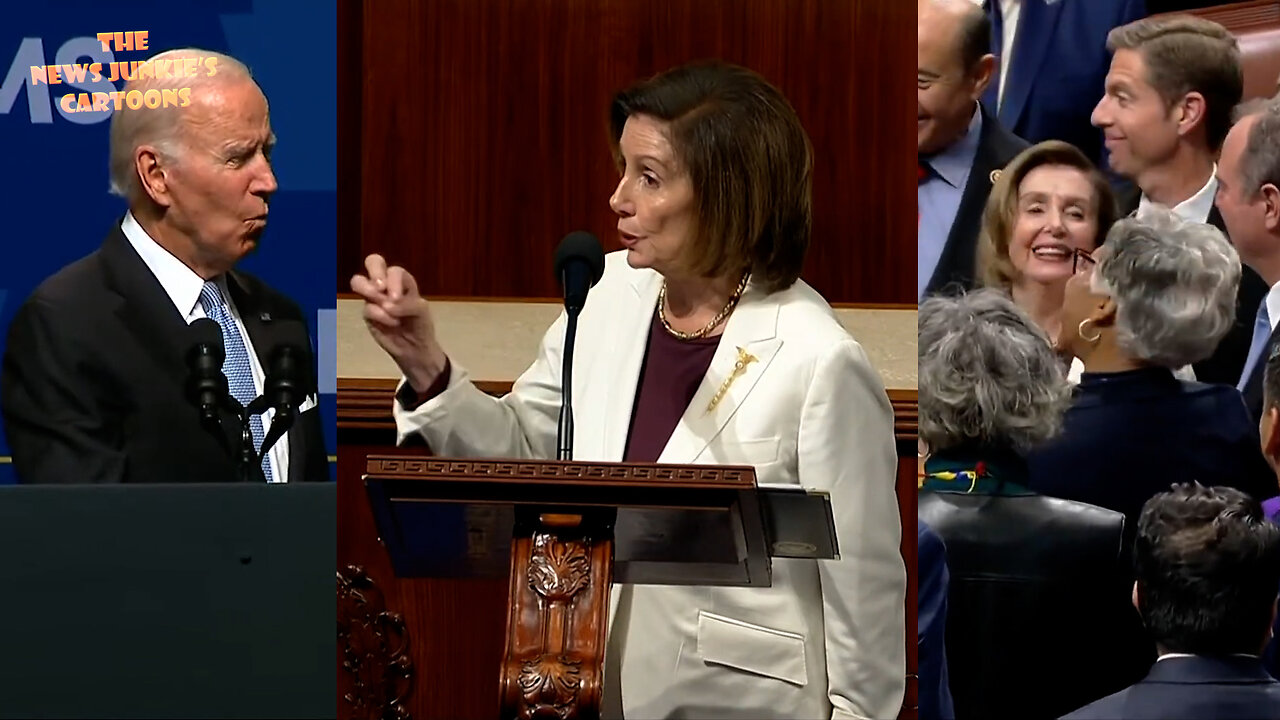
{"points": [[935, 693], [1059, 68], [1130, 435], [1193, 688]]}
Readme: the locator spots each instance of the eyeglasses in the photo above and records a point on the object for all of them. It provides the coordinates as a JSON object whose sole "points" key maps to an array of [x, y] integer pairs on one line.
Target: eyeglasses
{"points": [[1081, 261]]}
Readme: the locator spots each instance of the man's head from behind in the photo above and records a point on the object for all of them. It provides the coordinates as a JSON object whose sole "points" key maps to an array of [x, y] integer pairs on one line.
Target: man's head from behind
{"points": [[1249, 187], [198, 177], [1172, 80], [1208, 568], [954, 69]]}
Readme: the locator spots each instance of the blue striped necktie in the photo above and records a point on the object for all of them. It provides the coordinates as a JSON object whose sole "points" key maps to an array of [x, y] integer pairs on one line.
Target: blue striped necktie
{"points": [[236, 365]]}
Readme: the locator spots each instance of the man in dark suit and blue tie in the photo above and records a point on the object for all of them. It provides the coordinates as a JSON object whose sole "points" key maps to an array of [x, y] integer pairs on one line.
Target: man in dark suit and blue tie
{"points": [[1053, 60], [94, 387], [1249, 200], [1208, 567], [959, 147]]}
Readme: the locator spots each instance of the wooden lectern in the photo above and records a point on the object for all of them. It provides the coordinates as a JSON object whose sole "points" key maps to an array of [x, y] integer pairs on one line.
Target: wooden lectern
{"points": [[563, 531]]}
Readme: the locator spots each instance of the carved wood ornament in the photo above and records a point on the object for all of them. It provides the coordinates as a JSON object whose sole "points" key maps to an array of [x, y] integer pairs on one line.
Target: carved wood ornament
{"points": [[560, 572], [373, 651]]}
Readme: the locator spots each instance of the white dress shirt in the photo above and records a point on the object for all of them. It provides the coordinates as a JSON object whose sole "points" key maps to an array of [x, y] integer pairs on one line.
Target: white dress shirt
{"points": [[183, 287], [1195, 208]]}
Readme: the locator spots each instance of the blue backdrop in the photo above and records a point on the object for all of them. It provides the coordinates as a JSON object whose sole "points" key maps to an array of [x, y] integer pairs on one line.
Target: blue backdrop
{"points": [[54, 180]]}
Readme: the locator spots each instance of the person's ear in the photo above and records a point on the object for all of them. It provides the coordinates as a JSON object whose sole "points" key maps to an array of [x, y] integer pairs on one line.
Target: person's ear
{"points": [[1190, 113], [1105, 314], [983, 74], [1271, 207]]}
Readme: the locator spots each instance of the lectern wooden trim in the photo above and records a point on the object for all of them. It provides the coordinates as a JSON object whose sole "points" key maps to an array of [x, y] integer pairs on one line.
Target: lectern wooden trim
{"points": [[561, 566]]}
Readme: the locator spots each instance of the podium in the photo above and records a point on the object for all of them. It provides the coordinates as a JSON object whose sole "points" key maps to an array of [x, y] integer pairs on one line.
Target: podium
{"points": [[167, 601], [563, 531]]}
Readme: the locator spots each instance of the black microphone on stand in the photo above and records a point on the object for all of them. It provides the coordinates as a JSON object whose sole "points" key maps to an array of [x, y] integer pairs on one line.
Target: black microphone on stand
{"points": [[206, 385], [285, 389], [579, 264]]}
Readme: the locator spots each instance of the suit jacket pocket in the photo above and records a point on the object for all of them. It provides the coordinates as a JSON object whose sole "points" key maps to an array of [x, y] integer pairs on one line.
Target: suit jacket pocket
{"points": [[752, 648]]}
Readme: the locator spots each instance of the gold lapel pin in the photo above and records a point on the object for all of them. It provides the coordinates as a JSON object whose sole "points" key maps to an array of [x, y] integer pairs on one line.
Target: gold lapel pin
{"points": [[739, 367], [995, 175]]}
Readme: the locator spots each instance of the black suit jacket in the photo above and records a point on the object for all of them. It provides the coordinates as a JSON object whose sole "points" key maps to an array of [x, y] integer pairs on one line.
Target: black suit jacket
{"points": [[1227, 361], [1193, 688], [93, 383], [996, 147]]}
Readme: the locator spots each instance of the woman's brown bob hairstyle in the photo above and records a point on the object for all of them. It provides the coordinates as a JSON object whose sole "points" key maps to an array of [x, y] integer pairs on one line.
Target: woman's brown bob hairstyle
{"points": [[749, 161], [994, 267]]}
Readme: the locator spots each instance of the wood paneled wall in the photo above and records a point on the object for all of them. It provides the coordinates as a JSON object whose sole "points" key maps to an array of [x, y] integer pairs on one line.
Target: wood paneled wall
{"points": [[473, 135]]}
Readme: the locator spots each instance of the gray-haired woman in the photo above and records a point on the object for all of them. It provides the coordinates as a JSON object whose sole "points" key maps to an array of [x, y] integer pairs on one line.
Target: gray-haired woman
{"points": [[991, 388], [1159, 294]]}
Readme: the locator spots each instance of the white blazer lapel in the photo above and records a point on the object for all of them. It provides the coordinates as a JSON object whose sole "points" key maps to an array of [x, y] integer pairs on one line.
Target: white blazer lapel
{"points": [[635, 314], [747, 347]]}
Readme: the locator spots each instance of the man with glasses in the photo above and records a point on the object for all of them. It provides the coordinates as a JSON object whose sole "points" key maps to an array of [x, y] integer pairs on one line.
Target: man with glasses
{"points": [[959, 147]]}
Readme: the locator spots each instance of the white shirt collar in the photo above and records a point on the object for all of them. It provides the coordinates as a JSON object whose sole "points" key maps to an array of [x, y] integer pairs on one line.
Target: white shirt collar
{"points": [[180, 282], [1168, 656], [1273, 307], [1195, 208]]}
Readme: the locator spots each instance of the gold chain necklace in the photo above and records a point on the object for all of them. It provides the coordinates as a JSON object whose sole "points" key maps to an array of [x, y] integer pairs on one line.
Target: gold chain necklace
{"points": [[719, 318]]}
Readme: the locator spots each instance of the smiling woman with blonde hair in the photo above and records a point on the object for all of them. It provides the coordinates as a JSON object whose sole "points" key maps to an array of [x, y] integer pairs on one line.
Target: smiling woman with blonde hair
{"points": [[1048, 207]]}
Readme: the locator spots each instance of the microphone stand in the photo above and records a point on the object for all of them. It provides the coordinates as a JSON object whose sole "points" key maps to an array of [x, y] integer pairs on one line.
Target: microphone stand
{"points": [[564, 442]]}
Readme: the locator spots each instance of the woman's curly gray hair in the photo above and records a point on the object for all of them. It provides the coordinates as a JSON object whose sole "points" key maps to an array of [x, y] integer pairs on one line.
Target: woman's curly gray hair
{"points": [[1174, 284], [988, 375]]}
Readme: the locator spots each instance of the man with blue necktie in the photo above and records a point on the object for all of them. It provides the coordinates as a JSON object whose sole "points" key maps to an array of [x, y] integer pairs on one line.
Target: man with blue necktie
{"points": [[959, 147], [1249, 200], [94, 385], [1053, 60]]}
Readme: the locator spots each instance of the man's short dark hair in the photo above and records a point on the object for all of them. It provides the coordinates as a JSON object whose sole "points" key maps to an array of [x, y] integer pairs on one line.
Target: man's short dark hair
{"points": [[1208, 568]]}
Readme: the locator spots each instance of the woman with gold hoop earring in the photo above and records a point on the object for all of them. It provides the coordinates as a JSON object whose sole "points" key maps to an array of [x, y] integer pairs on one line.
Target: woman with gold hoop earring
{"points": [[1158, 295]]}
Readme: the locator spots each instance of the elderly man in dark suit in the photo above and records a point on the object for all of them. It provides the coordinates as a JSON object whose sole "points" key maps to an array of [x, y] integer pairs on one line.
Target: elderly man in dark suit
{"points": [[1208, 565], [94, 373], [1248, 200], [959, 147]]}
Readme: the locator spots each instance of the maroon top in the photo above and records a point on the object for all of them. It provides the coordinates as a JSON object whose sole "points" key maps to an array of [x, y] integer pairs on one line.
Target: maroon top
{"points": [[669, 377]]}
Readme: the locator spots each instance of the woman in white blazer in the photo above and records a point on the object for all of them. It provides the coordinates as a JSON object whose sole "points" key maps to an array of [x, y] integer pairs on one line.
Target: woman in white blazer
{"points": [[714, 212]]}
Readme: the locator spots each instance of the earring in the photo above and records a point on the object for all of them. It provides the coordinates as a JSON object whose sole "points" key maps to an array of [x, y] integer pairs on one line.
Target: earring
{"points": [[1097, 334]]}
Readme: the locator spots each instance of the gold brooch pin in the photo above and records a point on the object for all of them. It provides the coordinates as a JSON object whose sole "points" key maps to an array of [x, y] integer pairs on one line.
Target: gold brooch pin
{"points": [[995, 176], [744, 358]]}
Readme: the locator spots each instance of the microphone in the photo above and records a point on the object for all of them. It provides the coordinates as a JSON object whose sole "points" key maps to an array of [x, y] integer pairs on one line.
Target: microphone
{"points": [[206, 385], [285, 389], [579, 264]]}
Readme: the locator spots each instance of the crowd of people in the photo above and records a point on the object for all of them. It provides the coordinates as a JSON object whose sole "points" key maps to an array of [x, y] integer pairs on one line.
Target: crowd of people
{"points": [[1098, 379]]}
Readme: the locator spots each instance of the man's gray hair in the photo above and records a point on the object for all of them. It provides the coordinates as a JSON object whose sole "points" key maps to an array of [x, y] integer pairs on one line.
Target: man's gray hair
{"points": [[160, 127], [1260, 161], [1174, 284], [988, 375]]}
